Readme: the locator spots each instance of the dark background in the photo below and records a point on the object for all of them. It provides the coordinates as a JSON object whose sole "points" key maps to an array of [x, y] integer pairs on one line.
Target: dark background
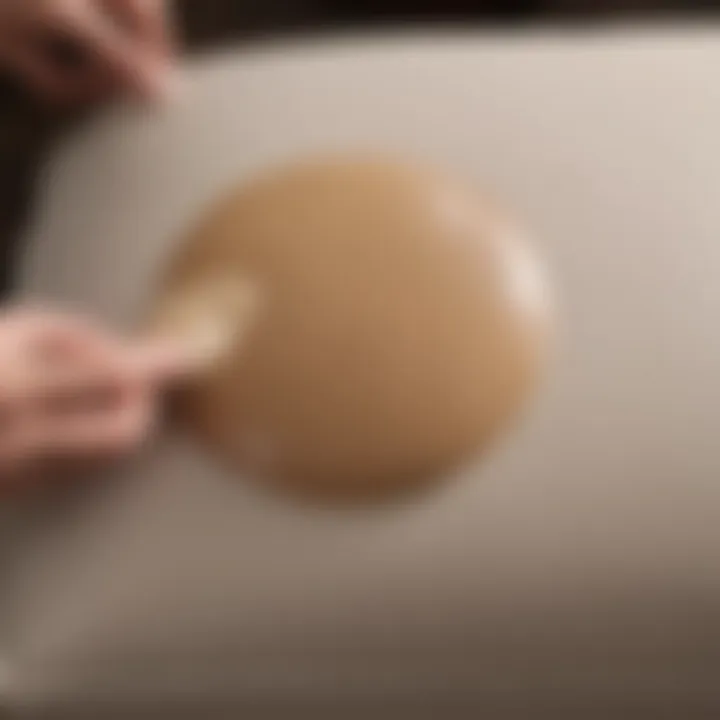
{"points": [[27, 129]]}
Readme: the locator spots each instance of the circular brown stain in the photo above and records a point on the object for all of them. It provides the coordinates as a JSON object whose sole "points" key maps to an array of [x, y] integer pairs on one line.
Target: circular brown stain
{"points": [[383, 322]]}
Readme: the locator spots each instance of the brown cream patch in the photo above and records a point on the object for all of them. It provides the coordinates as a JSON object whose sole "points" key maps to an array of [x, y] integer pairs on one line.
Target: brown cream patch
{"points": [[398, 323]]}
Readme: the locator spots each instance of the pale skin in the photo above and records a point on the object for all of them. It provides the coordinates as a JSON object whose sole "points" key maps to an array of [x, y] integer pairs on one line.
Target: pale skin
{"points": [[117, 45], [72, 390]]}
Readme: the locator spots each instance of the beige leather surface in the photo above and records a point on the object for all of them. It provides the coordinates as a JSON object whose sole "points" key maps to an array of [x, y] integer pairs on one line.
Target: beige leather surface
{"points": [[579, 563]]}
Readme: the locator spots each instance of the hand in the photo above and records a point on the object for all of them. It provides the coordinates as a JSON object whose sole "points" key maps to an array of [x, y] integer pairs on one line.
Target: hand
{"points": [[72, 50], [72, 391]]}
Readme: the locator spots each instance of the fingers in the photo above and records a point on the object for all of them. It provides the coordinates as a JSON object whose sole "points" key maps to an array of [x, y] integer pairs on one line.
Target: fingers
{"points": [[44, 439], [48, 354], [133, 59], [37, 71], [70, 391], [52, 63], [78, 412], [114, 429], [37, 345], [147, 20], [112, 49], [120, 44]]}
